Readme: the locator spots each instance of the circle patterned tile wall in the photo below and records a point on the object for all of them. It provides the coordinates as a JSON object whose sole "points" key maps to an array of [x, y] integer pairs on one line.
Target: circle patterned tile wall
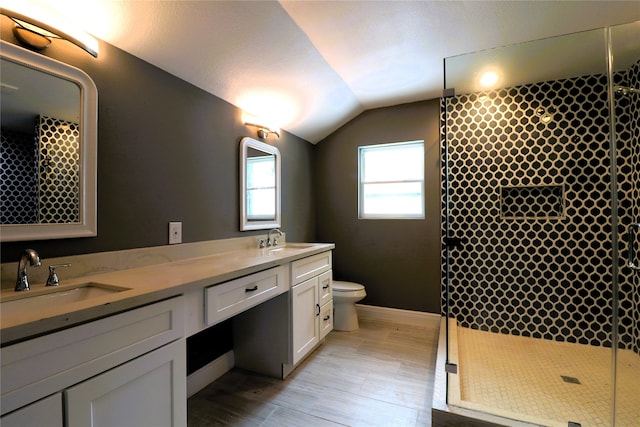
{"points": [[540, 154]]}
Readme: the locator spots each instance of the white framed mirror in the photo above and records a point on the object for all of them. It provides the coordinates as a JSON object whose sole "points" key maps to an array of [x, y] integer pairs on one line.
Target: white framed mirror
{"points": [[49, 120], [259, 185]]}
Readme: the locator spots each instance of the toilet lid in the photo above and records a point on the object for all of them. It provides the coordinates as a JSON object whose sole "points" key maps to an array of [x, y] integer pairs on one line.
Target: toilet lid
{"points": [[346, 286]]}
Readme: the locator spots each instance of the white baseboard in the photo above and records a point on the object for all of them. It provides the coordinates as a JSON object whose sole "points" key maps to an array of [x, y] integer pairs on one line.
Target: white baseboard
{"points": [[396, 315], [209, 373]]}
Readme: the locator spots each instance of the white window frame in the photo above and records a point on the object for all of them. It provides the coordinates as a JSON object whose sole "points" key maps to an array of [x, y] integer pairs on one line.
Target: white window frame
{"points": [[362, 150]]}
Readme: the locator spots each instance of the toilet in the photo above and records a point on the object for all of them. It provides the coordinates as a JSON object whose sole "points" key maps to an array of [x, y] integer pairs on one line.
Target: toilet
{"points": [[345, 297]]}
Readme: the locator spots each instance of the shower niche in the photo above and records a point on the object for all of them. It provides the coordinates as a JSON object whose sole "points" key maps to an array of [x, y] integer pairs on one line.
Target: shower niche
{"points": [[532, 202]]}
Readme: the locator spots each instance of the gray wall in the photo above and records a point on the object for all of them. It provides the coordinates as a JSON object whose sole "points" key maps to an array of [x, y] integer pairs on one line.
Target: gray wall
{"points": [[168, 151], [398, 261]]}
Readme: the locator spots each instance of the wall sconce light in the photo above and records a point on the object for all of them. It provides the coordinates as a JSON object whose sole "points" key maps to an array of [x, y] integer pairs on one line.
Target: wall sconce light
{"points": [[35, 27], [264, 129]]}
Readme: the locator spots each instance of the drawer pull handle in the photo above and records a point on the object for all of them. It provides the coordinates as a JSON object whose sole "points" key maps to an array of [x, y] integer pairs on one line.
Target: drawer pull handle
{"points": [[255, 288], [327, 317], [318, 308], [325, 287]]}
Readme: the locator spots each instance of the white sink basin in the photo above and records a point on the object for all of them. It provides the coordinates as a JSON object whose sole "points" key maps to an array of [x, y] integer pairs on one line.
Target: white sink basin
{"points": [[26, 301], [299, 245], [290, 246]]}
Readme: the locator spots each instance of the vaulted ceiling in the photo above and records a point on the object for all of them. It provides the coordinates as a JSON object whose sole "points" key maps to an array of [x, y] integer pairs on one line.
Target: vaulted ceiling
{"points": [[314, 65]]}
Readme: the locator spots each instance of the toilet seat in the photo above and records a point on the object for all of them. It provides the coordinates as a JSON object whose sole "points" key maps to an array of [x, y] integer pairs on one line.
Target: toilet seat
{"points": [[339, 286]]}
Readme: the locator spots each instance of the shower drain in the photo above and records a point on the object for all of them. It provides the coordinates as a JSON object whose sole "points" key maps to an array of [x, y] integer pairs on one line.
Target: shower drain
{"points": [[571, 380]]}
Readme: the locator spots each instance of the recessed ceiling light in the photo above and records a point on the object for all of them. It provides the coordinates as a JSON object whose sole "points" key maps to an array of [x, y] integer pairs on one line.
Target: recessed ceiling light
{"points": [[489, 79]]}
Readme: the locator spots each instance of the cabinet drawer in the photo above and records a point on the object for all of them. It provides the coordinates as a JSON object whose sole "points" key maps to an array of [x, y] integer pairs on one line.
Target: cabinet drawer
{"points": [[325, 288], [230, 298], [326, 319], [42, 366], [306, 268]]}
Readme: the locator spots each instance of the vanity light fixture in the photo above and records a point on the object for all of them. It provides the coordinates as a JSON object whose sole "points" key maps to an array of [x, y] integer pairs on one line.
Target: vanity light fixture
{"points": [[263, 129], [35, 27]]}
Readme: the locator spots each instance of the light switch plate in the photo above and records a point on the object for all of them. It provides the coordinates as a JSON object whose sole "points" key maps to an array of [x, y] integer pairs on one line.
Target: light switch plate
{"points": [[175, 233]]}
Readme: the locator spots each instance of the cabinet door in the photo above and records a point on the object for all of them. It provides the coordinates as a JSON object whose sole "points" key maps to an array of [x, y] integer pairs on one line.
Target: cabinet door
{"points": [[148, 391], [305, 309], [45, 412]]}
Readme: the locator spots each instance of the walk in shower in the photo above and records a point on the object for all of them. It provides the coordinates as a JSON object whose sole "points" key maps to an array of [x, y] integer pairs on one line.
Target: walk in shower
{"points": [[541, 205]]}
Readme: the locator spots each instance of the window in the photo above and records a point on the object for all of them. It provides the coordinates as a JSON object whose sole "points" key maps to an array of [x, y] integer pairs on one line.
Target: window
{"points": [[391, 181]]}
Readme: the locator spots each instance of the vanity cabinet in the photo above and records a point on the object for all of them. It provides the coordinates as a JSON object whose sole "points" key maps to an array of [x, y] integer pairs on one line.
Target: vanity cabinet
{"points": [[126, 369], [311, 304], [275, 336]]}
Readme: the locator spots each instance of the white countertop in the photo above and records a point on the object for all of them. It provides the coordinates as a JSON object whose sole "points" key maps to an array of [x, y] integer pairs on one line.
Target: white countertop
{"points": [[145, 285]]}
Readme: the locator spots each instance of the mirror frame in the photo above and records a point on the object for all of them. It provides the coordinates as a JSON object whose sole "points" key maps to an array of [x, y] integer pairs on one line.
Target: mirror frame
{"points": [[245, 224], [87, 226]]}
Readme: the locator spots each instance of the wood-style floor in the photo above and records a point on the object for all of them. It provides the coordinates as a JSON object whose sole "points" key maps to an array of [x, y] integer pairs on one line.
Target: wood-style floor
{"points": [[379, 375]]}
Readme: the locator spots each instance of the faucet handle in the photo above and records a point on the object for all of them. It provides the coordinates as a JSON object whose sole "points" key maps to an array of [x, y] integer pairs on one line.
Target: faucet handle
{"points": [[53, 280]]}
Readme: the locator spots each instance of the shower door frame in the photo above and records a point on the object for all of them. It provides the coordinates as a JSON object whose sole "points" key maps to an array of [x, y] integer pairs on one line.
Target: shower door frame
{"points": [[613, 155]]}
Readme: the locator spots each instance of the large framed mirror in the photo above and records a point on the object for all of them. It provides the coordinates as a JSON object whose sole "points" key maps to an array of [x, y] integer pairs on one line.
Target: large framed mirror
{"points": [[259, 185], [48, 150]]}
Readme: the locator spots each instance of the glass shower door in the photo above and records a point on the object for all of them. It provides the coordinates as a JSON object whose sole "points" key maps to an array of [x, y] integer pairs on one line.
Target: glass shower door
{"points": [[625, 53], [528, 184]]}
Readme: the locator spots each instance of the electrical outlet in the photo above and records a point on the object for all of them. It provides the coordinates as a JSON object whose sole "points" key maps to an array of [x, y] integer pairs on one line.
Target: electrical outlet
{"points": [[175, 232]]}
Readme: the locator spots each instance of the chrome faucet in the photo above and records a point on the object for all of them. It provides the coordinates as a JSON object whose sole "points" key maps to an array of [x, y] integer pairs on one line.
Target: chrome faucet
{"points": [[273, 242], [22, 282]]}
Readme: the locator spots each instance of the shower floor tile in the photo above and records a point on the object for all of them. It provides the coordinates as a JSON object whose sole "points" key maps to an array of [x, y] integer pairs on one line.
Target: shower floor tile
{"points": [[547, 380]]}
